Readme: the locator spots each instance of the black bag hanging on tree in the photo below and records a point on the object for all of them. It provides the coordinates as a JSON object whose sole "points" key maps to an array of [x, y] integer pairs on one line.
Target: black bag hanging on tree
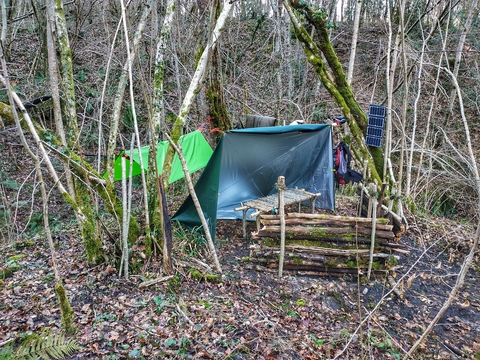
{"points": [[342, 157]]}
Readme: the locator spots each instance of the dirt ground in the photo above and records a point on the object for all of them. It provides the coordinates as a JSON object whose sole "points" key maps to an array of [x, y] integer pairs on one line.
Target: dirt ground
{"points": [[251, 313]]}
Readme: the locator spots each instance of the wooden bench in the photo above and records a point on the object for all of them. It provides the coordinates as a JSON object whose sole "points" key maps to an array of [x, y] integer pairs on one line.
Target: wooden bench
{"points": [[269, 204]]}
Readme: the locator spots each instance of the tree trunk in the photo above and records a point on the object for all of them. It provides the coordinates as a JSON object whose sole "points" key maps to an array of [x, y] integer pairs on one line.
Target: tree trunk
{"points": [[353, 49], [194, 88], [154, 183], [469, 259], [198, 207], [84, 198], [65, 308], [117, 106], [334, 79], [218, 114]]}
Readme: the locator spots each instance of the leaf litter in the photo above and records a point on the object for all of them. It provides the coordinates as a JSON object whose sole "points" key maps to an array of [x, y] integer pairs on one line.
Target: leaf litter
{"points": [[251, 313]]}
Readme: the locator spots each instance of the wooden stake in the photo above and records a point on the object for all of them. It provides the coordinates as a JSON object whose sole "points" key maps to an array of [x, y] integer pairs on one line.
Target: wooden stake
{"points": [[124, 262], [281, 213], [374, 221], [359, 212]]}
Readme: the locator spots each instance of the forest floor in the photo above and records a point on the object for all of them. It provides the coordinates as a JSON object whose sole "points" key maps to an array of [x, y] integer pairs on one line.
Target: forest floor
{"points": [[250, 314]]}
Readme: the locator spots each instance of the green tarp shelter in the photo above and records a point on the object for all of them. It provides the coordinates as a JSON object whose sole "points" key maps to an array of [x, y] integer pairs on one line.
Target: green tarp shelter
{"points": [[246, 165], [195, 149]]}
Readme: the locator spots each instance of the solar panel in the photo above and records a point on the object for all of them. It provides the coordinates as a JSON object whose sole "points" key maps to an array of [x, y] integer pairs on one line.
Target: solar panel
{"points": [[376, 120]]}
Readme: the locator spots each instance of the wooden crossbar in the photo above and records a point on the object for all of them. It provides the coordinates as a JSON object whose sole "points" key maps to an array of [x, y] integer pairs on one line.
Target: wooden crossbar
{"points": [[270, 203]]}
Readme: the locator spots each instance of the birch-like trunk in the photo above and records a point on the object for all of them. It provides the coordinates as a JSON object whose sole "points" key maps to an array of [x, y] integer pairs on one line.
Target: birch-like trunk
{"points": [[426, 136], [392, 61], [414, 129], [148, 239], [33, 131], [404, 109], [115, 121], [117, 105], [65, 308], [194, 87], [55, 91], [353, 48], [408, 186], [278, 54], [196, 202]]}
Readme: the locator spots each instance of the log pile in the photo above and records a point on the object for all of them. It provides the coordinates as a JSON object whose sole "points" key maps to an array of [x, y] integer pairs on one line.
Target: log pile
{"points": [[383, 211], [325, 243]]}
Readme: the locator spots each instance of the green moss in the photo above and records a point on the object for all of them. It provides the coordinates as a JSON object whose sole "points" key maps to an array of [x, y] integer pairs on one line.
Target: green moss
{"points": [[174, 285], [65, 308], [197, 275], [218, 109], [91, 239], [23, 244], [14, 258], [391, 261], [301, 302], [335, 262], [318, 231], [69, 200], [297, 261], [198, 55], [7, 272], [7, 114], [351, 263]]}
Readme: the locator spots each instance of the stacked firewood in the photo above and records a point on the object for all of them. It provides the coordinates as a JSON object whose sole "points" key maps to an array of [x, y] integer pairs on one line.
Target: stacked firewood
{"points": [[326, 243]]}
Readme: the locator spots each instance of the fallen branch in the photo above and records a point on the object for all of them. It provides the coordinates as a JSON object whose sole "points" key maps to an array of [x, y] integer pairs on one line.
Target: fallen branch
{"points": [[155, 281], [395, 288], [185, 316]]}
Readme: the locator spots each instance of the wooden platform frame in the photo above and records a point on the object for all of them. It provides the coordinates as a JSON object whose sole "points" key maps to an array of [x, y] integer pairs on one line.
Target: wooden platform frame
{"points": [[269, 203]]}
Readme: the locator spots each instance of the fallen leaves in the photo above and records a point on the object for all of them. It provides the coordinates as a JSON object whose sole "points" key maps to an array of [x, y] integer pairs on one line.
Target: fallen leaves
{"points": [[251, 315]]}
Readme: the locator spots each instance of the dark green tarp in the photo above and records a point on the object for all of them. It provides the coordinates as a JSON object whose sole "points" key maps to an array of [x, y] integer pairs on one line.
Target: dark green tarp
{"points": [[195, 149], [246, 165]]}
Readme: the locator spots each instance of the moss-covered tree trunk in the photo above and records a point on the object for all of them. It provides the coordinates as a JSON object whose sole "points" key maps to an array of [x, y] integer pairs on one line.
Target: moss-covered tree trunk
{"points": [[91, 233], [157, 123], [218, 114], [333, 78]]}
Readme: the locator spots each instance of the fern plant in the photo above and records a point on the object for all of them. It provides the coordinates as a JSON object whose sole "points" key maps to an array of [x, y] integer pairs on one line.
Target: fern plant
{"points": [[6, 353], [45, 346]]}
